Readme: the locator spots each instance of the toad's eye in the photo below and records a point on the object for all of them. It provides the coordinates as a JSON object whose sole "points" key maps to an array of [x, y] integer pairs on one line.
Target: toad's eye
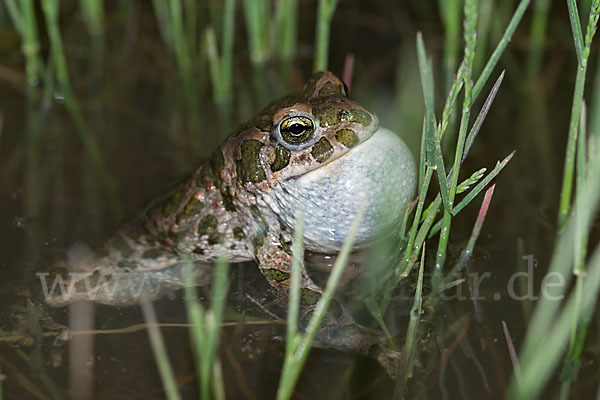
{"points": [[297, 130]]}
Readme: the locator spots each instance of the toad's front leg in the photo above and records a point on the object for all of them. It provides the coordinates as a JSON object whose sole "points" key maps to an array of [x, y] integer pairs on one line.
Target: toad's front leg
{"points": [[338, 329]]}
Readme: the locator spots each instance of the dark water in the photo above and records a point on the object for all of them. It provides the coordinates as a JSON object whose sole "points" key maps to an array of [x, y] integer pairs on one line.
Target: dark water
{"points": [[52, 196]]}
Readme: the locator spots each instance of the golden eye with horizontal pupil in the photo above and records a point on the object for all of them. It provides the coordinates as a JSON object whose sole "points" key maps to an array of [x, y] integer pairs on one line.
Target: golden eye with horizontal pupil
{"points": [[297, 130]]}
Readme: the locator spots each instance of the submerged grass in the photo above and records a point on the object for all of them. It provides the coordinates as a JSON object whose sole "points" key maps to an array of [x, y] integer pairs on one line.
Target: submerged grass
{"points": [[205, 333], [298, 345], [206, 330], [160, 351]]}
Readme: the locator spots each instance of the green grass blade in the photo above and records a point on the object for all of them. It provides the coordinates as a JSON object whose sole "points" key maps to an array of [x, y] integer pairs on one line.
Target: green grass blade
{"points": [[180, 46], [214, 319], [470, 181], [500, 47], [220, 66], [488, 10], [324, 15], [578, 331], [475, 191], [161, 11], [576, 28], [470, 38], [537, 38], [287, 28], [435, 158], [411, 247], [15, 15], [293, 365], [413, 325], [569, 165], [426, 80], [50, 11], [451, 100], [256, 13], [160, 351], [481, 117], [482, 184], [294, 298], [206, 326], [432, 141], [423, 152], [31, 44], [421, 236], [450, 11], [198, 337], [227, 49], [191, 23], [214, 64], [93, 12]]}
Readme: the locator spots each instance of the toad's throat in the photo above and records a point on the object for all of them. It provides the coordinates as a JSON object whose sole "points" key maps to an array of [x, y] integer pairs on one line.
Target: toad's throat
{"points": [[380, 170]]}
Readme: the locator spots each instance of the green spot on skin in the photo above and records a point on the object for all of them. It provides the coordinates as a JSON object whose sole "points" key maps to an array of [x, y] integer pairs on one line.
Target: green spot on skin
{"points": [[238, 233], [282, 159], [276, 275], [283, 245], [227, 198], [132, 265], [174, 201], [217, 161], [249, 168], [208, 227], [359, 116], [327, 116], [193, 207], [322, 150], [347, 137], [309, 297], [330, 88], [207, 177]]}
